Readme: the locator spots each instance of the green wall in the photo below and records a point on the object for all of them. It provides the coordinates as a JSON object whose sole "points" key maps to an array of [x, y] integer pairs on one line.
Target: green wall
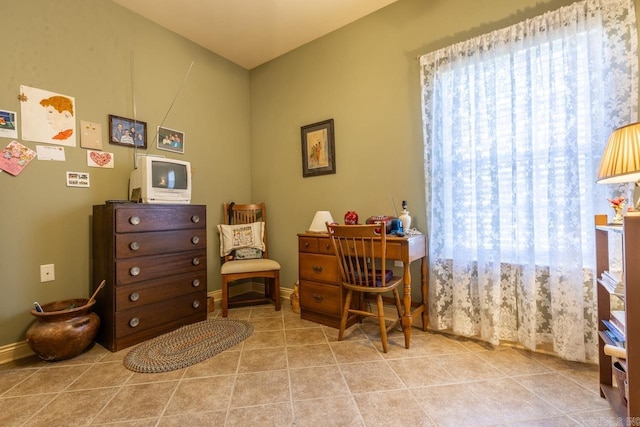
{"points": [[242, 127], [93, 50], [366, 77]]}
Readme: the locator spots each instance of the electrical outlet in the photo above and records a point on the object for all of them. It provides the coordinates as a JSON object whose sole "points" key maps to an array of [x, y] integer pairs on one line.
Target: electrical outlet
{"points": [[397, 263], [47, 273]]}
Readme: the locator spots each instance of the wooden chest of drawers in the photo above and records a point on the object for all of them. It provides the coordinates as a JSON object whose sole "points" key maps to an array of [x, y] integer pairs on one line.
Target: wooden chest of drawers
{"points": [[320, 289], [154, 261]]}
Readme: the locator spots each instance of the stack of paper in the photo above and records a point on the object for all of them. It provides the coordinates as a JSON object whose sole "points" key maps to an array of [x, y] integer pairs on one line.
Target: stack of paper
{"points": [[613, 282]]}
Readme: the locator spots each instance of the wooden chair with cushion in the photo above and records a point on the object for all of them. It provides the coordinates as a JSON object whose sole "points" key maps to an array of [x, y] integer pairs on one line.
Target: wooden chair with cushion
{"points": [[361, 252], [243, 248]]}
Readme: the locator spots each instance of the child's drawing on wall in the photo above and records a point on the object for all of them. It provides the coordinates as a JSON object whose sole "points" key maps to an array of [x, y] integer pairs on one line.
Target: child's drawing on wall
{"points": [[47, 117]]}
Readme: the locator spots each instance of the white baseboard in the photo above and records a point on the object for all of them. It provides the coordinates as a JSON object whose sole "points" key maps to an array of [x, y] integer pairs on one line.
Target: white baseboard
{"points": [[285, 293], [15, 351]]}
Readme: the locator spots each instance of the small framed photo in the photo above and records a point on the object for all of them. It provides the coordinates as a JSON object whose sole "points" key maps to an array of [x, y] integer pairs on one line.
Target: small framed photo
{"points": [[170, 140], [136, 197], [123, 131], [318, 149]]}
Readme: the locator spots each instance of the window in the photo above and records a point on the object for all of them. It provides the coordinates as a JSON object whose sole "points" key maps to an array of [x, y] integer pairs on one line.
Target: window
{"points": [[528, 119], [515, 123]]}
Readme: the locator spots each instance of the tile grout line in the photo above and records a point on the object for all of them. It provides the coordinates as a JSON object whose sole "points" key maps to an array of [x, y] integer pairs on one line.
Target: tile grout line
{"points": [[235, 378], [173, 393], [351, 394], [286, 351]]}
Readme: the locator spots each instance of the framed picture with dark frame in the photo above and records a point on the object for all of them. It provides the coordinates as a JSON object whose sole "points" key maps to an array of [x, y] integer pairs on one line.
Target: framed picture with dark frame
{"points": [[170, 140], [123, 131], [318, 149]]}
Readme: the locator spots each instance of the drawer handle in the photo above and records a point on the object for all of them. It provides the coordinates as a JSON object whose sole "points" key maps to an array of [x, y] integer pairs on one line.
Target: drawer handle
{"points": [[134, 296], [134, 220], [318, 298], [134, 246], [195, 240], [317, 268], [195, 304], [134, 271], [134, 322], [195, 219], [195, 283], [328, 246], [306, 244], [195, 261]]}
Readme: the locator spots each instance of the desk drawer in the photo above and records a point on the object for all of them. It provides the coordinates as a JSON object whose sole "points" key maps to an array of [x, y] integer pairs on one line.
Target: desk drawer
{"points": [[308, 244], [394, 250], [325, 246], [321, 268], [322, 298], [320, 245]]}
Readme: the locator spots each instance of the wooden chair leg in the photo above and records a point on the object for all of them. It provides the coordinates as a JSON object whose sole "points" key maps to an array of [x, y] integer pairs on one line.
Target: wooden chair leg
{"points": [[396, 296], [269, 289], [345, 314], [225, 297], [383, 328], [276, 291]]}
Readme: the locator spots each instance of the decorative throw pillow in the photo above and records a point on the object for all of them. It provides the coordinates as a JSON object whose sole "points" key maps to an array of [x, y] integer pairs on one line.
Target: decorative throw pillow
{"points": [[238, 236], [248, 253]]}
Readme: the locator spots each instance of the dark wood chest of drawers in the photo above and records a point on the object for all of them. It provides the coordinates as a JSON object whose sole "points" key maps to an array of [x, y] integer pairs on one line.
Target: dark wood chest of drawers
{"points": [[154, 261], [321, 292]]}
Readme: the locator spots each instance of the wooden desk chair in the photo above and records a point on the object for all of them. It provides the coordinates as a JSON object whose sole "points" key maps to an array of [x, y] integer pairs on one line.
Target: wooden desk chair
{"points": [[359, 250], [243, 248]]}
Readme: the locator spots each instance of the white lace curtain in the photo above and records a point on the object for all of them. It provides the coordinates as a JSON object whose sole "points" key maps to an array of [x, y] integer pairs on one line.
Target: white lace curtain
{"points": [[515, 123]]}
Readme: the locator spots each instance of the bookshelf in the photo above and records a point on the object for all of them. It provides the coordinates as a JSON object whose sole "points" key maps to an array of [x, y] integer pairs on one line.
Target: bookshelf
{"points": [[629, 295]]}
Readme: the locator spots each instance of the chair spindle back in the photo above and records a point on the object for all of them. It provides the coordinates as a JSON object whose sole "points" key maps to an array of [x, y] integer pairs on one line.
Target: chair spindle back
{"points": [[246, 214], [360, 249]]}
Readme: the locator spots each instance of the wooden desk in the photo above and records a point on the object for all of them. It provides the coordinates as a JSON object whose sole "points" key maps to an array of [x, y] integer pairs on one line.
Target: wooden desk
{"points": [[321, 294]]}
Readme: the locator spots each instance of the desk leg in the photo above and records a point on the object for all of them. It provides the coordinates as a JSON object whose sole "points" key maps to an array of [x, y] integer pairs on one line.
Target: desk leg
{"points": [[407, 319], [425, 292]]}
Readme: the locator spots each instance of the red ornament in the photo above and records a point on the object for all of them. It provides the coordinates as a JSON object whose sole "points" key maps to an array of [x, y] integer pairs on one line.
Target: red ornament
{"points": [[351, 218]]}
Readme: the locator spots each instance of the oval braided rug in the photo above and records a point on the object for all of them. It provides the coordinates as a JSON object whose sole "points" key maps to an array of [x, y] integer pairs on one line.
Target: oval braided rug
{"points": [[187, 345]]}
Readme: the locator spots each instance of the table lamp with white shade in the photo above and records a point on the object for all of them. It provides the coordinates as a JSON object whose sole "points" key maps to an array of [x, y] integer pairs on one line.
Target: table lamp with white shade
{"points": [[621, 159], [318, 225]]}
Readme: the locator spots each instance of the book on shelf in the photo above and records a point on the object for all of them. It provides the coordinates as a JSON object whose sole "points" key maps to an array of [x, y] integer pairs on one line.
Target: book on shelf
{"points": [[613, 276], [613, 282], [614, 339], [618, 318], [614, 333]]}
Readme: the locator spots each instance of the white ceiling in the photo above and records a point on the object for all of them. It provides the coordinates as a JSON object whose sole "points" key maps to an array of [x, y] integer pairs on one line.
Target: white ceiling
{"points": [[252, 32]]}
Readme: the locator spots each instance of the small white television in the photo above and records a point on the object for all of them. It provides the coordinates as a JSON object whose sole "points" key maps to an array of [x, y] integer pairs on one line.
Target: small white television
{"points": [[160, 180]]}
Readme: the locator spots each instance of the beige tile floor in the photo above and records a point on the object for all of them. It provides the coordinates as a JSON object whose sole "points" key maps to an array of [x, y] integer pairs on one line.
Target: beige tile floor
{"points": [[292, 372]]}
